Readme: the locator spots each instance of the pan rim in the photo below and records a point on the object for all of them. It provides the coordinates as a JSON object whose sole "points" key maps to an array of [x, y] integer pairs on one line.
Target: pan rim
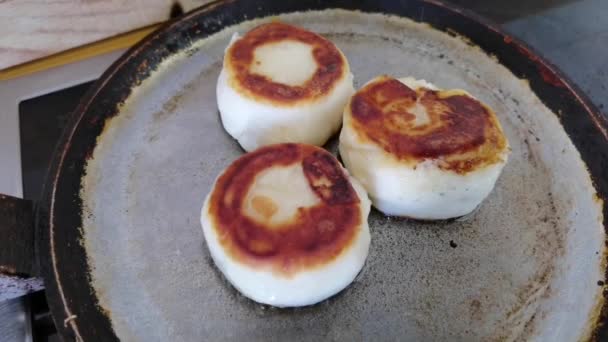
{"points": [[62, 307]]}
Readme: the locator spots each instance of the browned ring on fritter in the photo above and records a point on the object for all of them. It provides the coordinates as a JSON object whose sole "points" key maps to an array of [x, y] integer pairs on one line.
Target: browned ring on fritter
{"points": [[331, 65], [313, 237], [461, 133]]}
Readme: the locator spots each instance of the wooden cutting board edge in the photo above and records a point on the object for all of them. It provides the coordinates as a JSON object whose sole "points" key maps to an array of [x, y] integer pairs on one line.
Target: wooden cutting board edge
{"points": [[107, 45]]}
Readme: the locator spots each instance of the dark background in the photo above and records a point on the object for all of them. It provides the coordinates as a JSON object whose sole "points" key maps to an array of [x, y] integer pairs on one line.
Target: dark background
{"points": [[572, 34]]}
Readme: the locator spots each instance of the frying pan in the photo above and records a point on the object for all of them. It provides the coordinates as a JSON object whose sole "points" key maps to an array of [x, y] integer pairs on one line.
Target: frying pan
{"points": [[123, 257]]}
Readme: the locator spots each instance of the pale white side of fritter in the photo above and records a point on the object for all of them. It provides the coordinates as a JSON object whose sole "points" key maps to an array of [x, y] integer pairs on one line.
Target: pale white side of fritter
{"points": [[306, 287], [255, 123], [423, 192]]}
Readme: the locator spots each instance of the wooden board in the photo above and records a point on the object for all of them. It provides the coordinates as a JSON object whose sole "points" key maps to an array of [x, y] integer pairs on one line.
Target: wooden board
{"points": [[31, 30]]}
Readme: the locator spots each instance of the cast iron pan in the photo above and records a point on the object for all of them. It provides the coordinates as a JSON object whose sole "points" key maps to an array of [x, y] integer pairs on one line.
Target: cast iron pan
{"points": [[118, 236]]}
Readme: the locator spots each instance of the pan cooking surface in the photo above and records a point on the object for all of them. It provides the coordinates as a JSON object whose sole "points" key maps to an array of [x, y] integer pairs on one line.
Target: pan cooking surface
{"points": [[524, 265]]}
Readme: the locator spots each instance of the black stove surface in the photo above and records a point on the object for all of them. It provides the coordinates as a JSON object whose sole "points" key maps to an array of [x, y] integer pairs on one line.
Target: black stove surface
{"points": [[41, 122]]}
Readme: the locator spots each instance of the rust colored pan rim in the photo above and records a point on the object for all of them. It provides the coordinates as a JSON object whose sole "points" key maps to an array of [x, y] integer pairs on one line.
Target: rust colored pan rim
{"points": [[63, 259]]}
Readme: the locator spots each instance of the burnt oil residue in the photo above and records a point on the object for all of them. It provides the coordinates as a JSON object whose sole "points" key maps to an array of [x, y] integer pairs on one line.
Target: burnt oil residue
{"points": [[598, 327], [171, 106], [168, 108], [475, 308], [547, 75], [539, 289]]}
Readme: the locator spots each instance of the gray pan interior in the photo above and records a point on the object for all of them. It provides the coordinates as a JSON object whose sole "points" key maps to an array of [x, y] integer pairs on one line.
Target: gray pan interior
{"points": [[523, 266]]}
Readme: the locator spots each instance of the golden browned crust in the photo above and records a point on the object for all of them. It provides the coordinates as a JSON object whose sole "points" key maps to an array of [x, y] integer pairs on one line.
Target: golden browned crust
{"points": [[461, 133], [315, 236], [331, 65]]}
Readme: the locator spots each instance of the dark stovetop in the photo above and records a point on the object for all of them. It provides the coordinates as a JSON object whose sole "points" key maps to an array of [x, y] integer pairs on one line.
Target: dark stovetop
{"points": [[572, 34]]}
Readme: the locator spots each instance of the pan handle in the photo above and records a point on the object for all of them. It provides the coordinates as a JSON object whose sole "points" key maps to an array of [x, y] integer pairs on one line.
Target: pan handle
{"points": [[18, 266]]}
